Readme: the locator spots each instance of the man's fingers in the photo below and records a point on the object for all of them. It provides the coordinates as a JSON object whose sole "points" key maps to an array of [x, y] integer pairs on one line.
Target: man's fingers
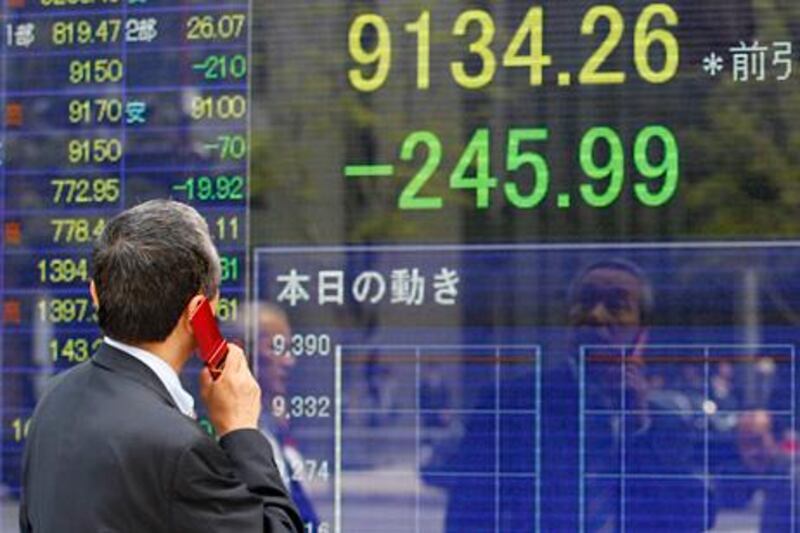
{"points": [[232, 400], [235, 358], [205, 380]]}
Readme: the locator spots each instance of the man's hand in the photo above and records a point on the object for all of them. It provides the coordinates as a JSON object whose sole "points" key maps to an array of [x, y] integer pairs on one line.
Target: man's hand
{"points": [[234, 399], [636, 383]]}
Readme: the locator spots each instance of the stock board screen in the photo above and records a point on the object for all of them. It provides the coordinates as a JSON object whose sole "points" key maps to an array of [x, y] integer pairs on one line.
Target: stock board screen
{"points": [[499, 266]]}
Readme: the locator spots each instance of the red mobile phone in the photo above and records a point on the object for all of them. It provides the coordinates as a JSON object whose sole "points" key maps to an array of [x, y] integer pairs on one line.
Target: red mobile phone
{"points": [[210, 343]]}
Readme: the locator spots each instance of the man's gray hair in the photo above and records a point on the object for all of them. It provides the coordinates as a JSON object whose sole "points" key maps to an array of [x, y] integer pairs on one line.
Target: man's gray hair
{"points": [[647, 300], [147, 265]]}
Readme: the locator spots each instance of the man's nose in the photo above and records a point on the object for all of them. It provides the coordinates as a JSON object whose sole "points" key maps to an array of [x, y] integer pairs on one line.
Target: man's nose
{"points": [[597, 314]]}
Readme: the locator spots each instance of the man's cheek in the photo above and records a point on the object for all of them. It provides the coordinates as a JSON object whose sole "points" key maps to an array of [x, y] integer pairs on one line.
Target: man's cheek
{"points": [[626, 335]]}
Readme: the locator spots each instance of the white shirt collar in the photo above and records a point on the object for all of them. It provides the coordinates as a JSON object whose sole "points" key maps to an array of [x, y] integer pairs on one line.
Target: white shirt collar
{"points": [[165, 373]]}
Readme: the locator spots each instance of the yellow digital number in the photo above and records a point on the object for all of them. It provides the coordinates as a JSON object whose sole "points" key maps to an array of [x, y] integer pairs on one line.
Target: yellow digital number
{"points": [[102, 70], [96, 151], [85, 32], [85, 190], [65, 310], [422, 27], [63, 270], [95, 111], [381, 55], [223, 107], [73, 349], [76, 230], [227, 228], [210, 28], [590, 74], [73, 3], [228, 309], [21, 427], [532, 30], [480, 47], [645, 38]]}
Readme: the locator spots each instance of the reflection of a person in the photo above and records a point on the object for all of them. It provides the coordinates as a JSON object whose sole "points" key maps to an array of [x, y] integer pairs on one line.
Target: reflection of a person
{"points": [[434, 398], [274, 371], [611, 303], [769, 467]]}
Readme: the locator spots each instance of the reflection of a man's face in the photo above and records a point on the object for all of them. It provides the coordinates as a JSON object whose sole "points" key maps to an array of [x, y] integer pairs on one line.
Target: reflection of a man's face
{"points": [[607, 308], [755, 441], [275, 368]]}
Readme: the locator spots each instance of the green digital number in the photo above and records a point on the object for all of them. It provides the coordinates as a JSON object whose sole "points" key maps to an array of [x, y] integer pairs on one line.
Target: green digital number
{"points": [[516, 158], [232, 147], [210, 189], [410, 198], [221, 67], [478, 151], [229, 268], [613, 171], [667, 169]]}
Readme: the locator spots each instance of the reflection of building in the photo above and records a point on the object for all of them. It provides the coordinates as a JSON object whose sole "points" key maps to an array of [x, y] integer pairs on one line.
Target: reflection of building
{"points": [[303, 101]]}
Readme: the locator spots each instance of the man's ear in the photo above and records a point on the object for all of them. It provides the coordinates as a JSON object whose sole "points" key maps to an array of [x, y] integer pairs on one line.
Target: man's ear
{"points": [[191, 307], [93, 293]]}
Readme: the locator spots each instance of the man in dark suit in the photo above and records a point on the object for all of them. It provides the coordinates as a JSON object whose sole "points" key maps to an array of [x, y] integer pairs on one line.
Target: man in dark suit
{"points": [[610, 303], [113, 444]]}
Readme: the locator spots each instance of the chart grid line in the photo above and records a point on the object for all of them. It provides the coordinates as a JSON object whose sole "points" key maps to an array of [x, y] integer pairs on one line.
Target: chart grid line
{"points": [[538, 432], [337, 435], [710, 355], [497, 353], [522, 247], [656, 476], [706, 437], [793, 473], [497, 441], [582, 440], [623, 421], [417, 439]]}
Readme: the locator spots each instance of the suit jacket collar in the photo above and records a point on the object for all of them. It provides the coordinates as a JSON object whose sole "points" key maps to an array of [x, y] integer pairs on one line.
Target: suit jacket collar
{"points": [[126, 365]]}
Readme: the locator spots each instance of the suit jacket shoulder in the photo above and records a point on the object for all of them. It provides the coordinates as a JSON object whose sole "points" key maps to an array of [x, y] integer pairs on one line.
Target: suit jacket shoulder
{"points": [[109, 450]]}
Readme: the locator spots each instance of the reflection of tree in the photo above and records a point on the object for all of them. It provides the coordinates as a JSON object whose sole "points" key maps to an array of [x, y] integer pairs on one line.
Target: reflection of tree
{"points": [[308, 123], [744, 165], [743, 178], [739, 162]]}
